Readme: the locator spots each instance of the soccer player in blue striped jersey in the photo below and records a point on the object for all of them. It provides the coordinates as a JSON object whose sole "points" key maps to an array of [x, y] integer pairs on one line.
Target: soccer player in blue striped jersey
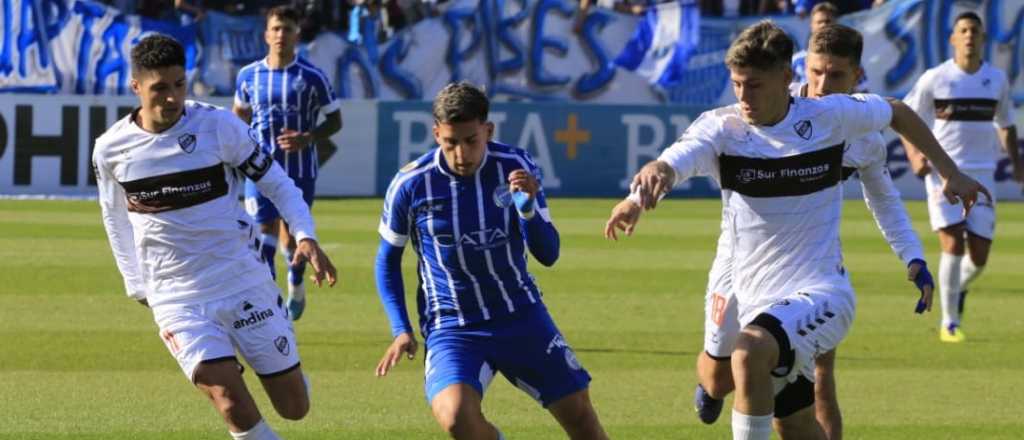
{"points": [[282, 96], [471, 209]]}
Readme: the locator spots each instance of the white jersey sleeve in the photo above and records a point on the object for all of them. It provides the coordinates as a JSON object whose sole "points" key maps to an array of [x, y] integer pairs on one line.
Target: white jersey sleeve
{"points": [[694, 153], [920, 98], [119, 229], [860, 114], [1004, 108], [883, 199], [241, 150]]}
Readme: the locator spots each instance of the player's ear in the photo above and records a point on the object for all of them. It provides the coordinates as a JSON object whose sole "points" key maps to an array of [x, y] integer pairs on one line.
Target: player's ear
{"points": [[489, 126], [437, 133], [136, 87]]}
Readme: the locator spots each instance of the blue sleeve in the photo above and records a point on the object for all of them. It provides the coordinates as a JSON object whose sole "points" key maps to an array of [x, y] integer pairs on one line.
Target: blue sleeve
{"points": [[242, 92], [388, 271], [541, 235]]}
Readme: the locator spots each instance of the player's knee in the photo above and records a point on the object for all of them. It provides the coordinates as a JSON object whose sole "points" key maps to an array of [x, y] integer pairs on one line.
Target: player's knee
{"points": [[293, 409], [235, 412], [456, 419], [755, 347]]}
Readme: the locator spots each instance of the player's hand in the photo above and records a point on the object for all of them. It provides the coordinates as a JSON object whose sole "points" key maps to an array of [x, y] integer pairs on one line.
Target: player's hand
{"points": [[310, 251], [917, 273], [652, 182], [920, 165], [291, 140], [961, 187], [522, 181], [625, 216], [403, 343]]}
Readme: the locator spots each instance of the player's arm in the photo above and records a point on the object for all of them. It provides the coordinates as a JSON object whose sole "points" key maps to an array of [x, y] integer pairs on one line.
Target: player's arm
{"points": [[693, 154], [1008, 138], [534, 220], [241, 106], [245, 114], [114, 210], [394, 233], [330, 107], [245, 154], [885, 205]]}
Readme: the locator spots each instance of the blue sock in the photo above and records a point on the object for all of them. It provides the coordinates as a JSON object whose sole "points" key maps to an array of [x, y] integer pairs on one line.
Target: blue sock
{"points": [[267, 251], [295, 272]]}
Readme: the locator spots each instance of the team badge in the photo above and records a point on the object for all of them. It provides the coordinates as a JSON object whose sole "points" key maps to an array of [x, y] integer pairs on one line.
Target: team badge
{"points": [[187, 142], [502, 196], [299, 85], [804, 129], [281, 343], [570, 359]]}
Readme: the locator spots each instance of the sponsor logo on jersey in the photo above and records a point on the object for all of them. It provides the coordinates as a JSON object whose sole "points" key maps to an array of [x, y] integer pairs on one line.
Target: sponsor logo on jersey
{"points": [[804, 129], [785, 176], [176, 190], [281, 343], [187, 142], [966, 109], [479, 240]]}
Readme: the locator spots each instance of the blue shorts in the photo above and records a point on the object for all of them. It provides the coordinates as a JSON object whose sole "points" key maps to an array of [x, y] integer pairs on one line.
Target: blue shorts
{"points": [[263, 210], [526, 348]]}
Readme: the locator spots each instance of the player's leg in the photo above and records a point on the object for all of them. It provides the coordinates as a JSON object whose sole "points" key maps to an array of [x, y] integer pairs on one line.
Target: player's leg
{"points": [[949, 222], [800, 425], [826, 402], [714, 369], [756, 355], [577, 416], [535, 357], [952, 243], [263, 334], [457, 409], [981, 224], [221, 381], [263, 212], [457, 376], [296, 285]]}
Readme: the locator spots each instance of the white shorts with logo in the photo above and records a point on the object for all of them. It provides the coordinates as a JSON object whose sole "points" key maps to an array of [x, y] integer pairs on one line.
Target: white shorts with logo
{"points": [[814, 323], [982, 218], [254, 323]]}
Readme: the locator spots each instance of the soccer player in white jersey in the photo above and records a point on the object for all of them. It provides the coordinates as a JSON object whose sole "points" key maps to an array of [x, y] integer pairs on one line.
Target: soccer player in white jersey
{"points": [[832, 66], [779, 162], [169, 178], [966, 102], [281, 97]]}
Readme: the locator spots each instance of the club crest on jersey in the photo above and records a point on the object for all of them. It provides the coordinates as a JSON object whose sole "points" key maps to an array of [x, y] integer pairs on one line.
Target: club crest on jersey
{"points": [[804, 129], [298, 85], [187, 142], [502, 196], [985, 82], [281, 343], [254, 136]]}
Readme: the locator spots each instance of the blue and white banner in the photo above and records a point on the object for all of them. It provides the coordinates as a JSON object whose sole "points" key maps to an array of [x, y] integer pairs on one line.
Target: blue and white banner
{"points": [[229, 43], [663, 42], [78, 47]]}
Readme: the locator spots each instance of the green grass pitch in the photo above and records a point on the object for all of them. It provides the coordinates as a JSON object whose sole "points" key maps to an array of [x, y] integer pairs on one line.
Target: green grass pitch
{"points": [[78, 360]]}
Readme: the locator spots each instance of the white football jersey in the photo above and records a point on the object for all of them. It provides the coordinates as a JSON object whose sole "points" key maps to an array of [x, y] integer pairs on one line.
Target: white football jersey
{"points": [[960, 108], [781, 190], [171, 211]]}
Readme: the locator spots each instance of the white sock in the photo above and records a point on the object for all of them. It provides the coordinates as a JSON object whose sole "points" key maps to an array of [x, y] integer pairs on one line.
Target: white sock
{"points": [[261, 431], [949, 287], [746, 427], [968, 272]]}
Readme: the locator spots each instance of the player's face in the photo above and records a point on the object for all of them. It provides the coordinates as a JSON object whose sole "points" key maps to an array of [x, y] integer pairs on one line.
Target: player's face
{"points": [[763, 94], [463, 144], [820, 20], [281, 35], [828, 74], [161, 94], [967, 38]]}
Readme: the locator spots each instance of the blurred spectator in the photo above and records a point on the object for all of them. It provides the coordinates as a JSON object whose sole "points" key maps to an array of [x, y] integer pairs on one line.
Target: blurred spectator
{"points": [[823, 14], [804, 7]]}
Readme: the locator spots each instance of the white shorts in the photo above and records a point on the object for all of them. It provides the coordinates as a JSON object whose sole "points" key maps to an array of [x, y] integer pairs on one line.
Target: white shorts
{"points": [[253, 322], [811, 324], [982, 218]]}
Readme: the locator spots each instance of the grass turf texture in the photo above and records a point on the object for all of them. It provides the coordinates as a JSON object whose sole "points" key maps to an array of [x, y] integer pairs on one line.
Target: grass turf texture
{"points": [[78, 360]]}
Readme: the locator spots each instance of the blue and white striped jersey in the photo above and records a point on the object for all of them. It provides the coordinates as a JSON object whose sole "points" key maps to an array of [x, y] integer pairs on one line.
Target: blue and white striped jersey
{"points": [[291, 97], [467, 234]]}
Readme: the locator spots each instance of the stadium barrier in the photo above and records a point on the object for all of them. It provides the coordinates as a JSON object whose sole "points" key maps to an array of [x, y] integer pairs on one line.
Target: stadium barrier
{"points": [[585, 150]]}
